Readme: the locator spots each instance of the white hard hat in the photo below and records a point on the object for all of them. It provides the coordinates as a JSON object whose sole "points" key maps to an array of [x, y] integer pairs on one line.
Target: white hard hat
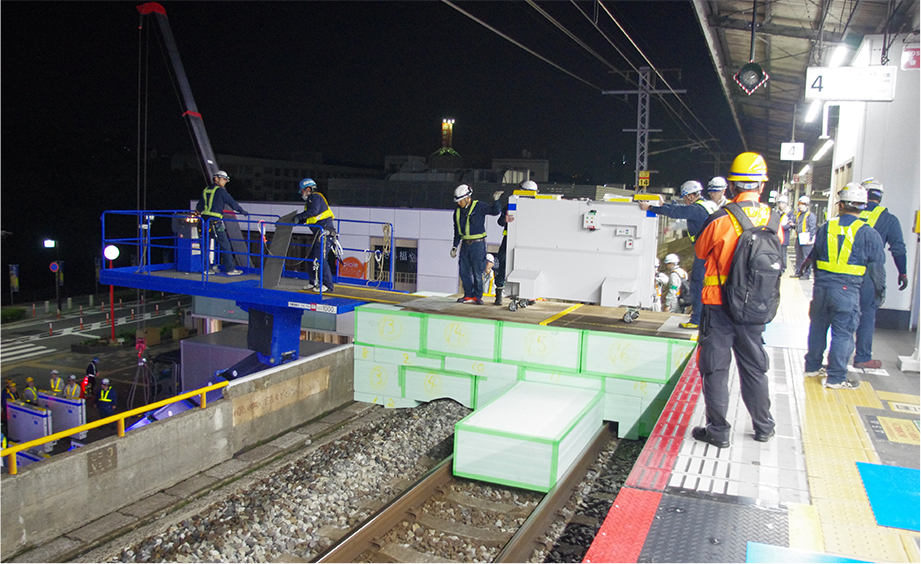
{"points": [[54, 372], [804, 200], [72, 377], [462, 192], [691, 187], [782, 199], [716, 184], [853, 193], [529, 185], [672, 258], [490, 258], [105, 381], [221, 174], [871, 184]]}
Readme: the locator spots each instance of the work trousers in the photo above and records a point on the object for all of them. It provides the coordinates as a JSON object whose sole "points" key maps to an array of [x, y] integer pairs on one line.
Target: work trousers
{"points": [[697, 287], [500, 263], [802, 251], [318, 254], [867, 323], [472, 265], [835, 307], [718, 335], [219, 232], [784, 249]]}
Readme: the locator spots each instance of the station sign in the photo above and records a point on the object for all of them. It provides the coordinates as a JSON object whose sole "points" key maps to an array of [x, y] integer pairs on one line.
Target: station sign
{"points": [[853, 84], [643, 178], [792, 151]]}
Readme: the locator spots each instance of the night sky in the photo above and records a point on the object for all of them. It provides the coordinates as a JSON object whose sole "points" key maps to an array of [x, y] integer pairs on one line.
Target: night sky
{"points": [[354, 81]]}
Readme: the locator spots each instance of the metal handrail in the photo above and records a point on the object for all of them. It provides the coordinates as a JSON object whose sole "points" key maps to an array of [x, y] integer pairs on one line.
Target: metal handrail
{"points": [[119, 418]]}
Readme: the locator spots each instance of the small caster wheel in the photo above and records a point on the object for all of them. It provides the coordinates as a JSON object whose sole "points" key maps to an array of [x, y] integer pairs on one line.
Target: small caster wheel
{"points": [[524, 303], [513, 305], [628, 318]]}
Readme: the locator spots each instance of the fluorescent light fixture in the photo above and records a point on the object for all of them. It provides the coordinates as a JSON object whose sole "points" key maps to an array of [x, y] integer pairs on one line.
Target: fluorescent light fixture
{"points": [[49, 243], [805, 170], [821, 152], [838, 57], [813, 110]]}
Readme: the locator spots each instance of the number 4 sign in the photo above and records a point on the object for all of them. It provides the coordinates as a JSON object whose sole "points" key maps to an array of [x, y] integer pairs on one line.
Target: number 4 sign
{"points": [[857, 84], [791, 151]]}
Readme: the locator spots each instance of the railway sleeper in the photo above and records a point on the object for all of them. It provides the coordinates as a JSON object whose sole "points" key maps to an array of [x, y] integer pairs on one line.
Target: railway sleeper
{"points": [[485, 505], [393, 552], [486, 537]]}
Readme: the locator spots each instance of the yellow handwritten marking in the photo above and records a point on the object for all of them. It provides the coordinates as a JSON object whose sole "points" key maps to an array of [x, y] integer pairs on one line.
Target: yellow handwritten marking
{"points": [[378, 377], [566, 311]]}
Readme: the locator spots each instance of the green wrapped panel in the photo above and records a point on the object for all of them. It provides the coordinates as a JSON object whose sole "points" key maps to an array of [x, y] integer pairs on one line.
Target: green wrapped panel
{"points": [[536, 345], [564, 378], [628, 356], [423, 384], [488, 388], [459, 336], [481, 368], [390, 328], [636, 388], [386, 401], [377, 378], [627, 412], [406, 358]]}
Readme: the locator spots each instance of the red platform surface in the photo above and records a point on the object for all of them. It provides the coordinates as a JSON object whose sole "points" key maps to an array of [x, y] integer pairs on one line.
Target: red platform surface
{"points": [[624, 530]]}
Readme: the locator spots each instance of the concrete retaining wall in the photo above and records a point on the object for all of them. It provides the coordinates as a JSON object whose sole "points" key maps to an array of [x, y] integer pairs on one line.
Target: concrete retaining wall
{"points": [[49, 498]]}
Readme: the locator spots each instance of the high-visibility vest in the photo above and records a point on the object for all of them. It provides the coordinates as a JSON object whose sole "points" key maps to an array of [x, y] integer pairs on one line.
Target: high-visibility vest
{"points": [[837, 259], [30, 394], [72, 391], [465, 233], [57, 384], [870, 217], [104, 395], [708, 205], [805, 215], [208, 197], [322, 215]]}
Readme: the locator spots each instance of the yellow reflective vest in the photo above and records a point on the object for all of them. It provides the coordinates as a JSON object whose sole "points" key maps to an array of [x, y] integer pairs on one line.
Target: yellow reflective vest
{"points": [[837, 258]]}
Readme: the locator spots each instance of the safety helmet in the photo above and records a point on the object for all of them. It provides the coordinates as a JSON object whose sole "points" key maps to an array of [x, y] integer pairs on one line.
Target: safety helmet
{"points": [[717, 184], [95, 359], [221, 174], [748, 167], [30, 379], [490, 258], [529, 185], [54, 372], [672, 258], [72, 378], [690, 187], [307, 183], [854, 194], [804, 200], [10, 383], [782, 199], [462, 192], [105, 381], [872, 185]]}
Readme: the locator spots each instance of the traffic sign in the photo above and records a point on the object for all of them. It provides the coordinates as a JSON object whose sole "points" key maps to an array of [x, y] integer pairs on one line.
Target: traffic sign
{"points": [[54, 267]]}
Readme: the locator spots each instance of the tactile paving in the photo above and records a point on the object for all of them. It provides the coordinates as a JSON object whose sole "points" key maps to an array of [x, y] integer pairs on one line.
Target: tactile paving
{"points": [[691, 529], [876, 544]]}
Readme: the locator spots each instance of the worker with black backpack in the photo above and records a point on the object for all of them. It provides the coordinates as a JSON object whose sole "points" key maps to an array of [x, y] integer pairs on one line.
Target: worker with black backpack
{"points": [[740, 244]]}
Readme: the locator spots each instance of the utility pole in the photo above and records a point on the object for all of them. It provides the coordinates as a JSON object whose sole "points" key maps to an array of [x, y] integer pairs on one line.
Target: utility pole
{"points": [[642, 118]]}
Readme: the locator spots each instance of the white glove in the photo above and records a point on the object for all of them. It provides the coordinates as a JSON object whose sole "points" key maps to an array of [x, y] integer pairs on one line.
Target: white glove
{"points": [[453, 252], [497, 195]]}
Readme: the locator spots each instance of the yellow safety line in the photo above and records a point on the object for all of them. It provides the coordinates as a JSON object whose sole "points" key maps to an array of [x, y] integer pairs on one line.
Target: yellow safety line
{"points": [[566, 311]]}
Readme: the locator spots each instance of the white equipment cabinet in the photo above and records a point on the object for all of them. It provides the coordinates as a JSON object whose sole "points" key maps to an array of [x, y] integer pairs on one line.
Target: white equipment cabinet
{"points": [[29, 422], [65, 413], [588, 251]]}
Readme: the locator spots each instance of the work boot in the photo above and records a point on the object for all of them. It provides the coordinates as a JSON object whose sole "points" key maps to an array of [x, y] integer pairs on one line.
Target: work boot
{"points": [[498, 301]]}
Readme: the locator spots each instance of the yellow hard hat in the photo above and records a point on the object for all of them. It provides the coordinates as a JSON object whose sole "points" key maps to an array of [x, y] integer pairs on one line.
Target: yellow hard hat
{"points": [[29, 379], [748, 167]]}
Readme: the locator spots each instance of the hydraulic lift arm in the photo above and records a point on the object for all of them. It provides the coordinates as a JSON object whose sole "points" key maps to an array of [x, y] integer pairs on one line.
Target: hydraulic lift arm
{"points": [[190, 110]]}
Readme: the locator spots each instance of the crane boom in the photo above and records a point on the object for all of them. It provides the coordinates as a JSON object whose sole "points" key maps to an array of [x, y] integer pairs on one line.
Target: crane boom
{"points": [[190, 110]]}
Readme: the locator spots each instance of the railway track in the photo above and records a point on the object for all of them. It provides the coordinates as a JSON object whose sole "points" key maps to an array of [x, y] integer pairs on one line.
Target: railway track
{"points": [[440, 518]]}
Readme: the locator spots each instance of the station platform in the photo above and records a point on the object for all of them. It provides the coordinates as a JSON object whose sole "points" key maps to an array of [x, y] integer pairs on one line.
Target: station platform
{"points": [[838, 483]]}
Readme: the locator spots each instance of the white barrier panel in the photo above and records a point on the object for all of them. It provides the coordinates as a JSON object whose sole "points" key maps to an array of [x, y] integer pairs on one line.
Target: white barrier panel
{"points": [[28, 422], [65, 413]]}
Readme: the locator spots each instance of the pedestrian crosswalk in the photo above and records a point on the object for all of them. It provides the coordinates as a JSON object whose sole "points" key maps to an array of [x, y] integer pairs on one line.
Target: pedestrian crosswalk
{"points": [[13, 350]]}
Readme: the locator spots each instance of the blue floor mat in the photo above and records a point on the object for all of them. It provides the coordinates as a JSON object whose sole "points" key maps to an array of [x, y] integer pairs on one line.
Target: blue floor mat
{"points": [[894, 494], [758, 552]]}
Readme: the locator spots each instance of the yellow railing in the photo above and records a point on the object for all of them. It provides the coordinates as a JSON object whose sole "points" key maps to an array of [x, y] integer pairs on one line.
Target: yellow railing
{"points": [[119, 418]]}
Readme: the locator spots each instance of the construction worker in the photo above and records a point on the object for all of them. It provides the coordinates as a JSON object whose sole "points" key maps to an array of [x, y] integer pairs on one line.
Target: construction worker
{"points": [[847, 255], [890, 231], [720, 335], [787, 223], [72, 391], [660, 284], [320, 218], [716, 191], [56, 384], [90, 381], [676, 275], [9, 394], [489, 275], [214, 200], [30, 393], [106, 400], [695, 210], [470, 235], [528, 189], [805, 224]]}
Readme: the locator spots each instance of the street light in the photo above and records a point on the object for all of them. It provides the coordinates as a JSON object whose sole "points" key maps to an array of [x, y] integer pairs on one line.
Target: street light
{"points": [[111, 253]]}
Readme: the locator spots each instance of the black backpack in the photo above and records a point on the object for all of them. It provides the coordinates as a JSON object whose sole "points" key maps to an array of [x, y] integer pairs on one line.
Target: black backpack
{"points": [[751, 292], [684, 294]]}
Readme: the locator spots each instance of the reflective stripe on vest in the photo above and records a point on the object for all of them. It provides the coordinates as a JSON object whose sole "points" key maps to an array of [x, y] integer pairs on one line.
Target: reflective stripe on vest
{"points": [[805, 215], [707, 207], [57, 384], [208, 197], [104, 395], [870, 217], [322, 215], [465, 234], [760, 215], [72, 391], [837, 260]]}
